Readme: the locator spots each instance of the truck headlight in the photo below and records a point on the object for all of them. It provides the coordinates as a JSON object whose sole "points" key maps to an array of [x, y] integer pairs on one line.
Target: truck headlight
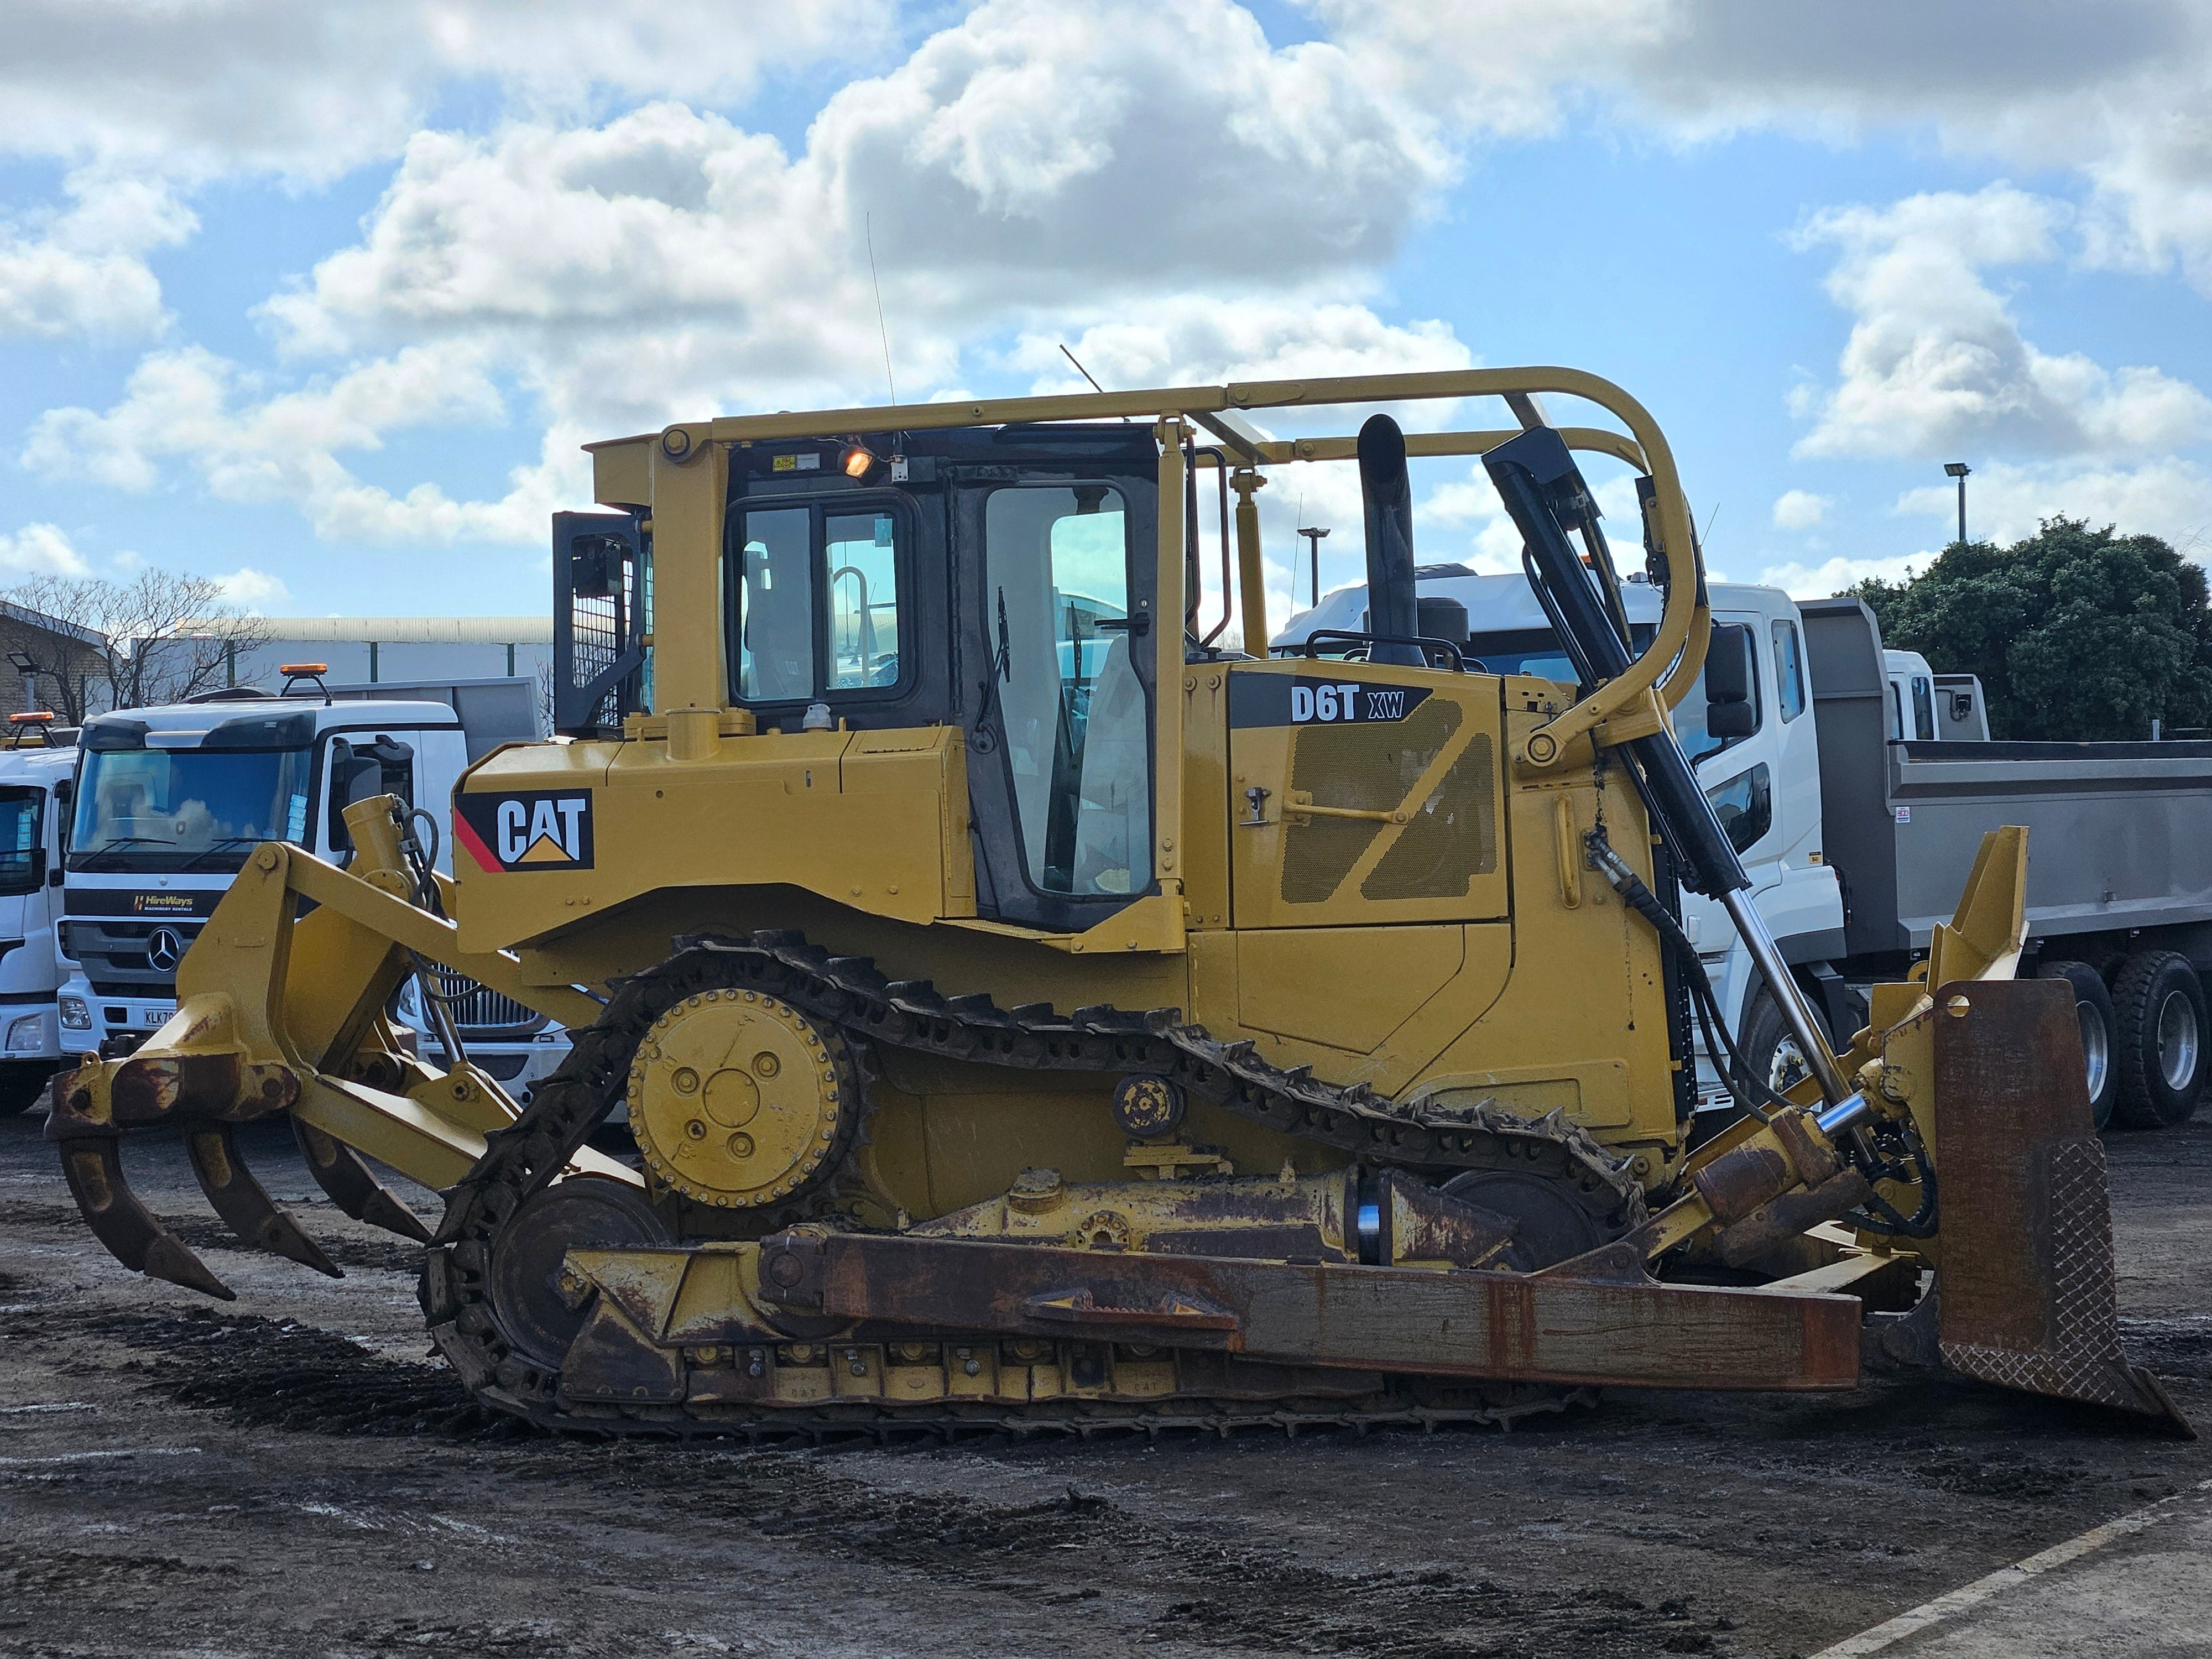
{"points": [[28, 1032], [76, 1015]]}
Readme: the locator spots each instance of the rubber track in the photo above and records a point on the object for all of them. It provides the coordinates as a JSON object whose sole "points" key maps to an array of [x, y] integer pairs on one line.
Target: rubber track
{"points": [[849, 993]]}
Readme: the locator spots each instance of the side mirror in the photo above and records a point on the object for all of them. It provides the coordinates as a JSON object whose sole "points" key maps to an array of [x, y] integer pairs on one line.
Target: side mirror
{"points": [[1729, 711], [1962, 705]]}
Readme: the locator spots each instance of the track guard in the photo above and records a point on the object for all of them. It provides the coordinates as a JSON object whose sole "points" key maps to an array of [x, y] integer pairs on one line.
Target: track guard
{"points": [[2027, 1293]]}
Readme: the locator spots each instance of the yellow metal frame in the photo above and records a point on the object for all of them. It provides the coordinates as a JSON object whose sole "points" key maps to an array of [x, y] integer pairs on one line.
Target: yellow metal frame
{"points": [[682, 473]]}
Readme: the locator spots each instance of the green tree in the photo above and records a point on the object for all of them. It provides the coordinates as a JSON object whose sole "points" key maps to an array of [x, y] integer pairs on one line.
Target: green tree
{"points": [[2077, 635]]}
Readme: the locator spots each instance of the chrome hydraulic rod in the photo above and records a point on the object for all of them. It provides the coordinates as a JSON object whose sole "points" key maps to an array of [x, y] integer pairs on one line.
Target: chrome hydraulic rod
{"points": [[1788, 996]]}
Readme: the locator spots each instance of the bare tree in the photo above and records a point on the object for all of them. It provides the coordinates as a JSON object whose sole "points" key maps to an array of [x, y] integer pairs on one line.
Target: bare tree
{"points": [[545, 701], [161, 638]]}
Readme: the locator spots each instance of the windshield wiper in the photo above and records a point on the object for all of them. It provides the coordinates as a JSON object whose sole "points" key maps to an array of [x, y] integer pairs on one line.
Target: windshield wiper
{"points": [[216, 847], [91, 861]]}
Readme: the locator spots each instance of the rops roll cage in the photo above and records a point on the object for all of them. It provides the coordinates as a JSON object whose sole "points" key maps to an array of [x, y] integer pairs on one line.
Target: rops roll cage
{"points": [[1615, 710]]}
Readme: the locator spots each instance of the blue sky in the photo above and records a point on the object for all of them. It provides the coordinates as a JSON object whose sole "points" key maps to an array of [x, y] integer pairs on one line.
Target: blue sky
{"points": [[321, 301]]}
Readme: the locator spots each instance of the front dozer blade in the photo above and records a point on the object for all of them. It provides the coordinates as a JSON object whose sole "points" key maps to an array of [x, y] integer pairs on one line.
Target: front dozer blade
{"points": [[92, 1166], [241, 1201], [345, 1175], [2026, 1286]]}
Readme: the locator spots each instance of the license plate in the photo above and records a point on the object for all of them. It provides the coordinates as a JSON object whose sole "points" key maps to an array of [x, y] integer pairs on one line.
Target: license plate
{"points": [[155, 1019]]}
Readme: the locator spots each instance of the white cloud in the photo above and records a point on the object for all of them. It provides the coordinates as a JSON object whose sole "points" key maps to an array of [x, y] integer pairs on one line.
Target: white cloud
{"points": [[192, 404], [1799, 509], [2120, 92], [1936, 358], [208, 87], [1198, 342], [1031, 153], [82, 270], [1817, 581], [1035, 171], [40, 550], [250, 589], [2169, 497], [1160, 186]]}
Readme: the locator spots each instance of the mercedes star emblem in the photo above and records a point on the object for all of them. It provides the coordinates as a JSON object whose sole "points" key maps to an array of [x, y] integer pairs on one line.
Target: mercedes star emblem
{"points": [[165, 948]]}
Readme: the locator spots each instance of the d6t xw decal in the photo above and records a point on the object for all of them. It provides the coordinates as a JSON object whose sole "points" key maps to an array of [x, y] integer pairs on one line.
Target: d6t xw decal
{"points": [[1277, 700]]}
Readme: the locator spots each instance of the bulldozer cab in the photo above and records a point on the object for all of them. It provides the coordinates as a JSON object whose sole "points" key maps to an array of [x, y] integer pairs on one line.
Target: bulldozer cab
{"points": [[998, 579]]}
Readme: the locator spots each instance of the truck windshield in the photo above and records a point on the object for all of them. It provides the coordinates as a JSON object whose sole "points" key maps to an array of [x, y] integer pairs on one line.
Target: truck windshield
{"points": [[1537, 651], [173, 808], [1534, 650]]}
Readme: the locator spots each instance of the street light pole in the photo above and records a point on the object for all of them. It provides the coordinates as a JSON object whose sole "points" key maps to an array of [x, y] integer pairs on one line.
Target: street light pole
{"points": [[1959, 470], [1313, 546], [26, 664]]}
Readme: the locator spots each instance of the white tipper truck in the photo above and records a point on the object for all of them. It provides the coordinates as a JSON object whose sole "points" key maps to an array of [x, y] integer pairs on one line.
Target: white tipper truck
{"points": [[168, 801], [37, 762], [1857, 783]]}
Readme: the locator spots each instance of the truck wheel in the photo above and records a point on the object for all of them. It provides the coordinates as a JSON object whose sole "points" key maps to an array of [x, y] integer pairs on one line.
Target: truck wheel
{"points": [[2158, 1003], [1770, 1050], [2092, 1006]]}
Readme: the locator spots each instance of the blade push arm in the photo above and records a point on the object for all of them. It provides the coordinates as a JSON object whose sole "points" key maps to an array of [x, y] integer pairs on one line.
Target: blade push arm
{"points": [[282, 1013]]}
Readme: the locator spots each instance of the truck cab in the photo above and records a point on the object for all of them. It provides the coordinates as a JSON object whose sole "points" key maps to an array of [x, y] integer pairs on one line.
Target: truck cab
{"points": [[169, 801], [1925, 707], [36, 765]]}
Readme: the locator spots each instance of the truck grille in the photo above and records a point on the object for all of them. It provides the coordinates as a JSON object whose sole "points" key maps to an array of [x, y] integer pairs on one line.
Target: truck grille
{"points": [[483, 1013]]}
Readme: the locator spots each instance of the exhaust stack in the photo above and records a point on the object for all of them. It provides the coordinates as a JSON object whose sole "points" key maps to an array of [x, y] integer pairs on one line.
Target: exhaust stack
{"points": [[1387, 495]]}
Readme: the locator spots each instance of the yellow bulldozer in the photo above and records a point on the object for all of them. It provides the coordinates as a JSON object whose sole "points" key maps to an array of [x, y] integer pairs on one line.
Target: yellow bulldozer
{"points": [[1033, 1014]]}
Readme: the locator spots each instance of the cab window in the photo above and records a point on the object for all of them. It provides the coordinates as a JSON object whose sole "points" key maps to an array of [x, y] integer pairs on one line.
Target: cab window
{"points": [[1789, 672], [22, 856], [815, 592], [1745, 806], [1071, 706], [1923, 708]]}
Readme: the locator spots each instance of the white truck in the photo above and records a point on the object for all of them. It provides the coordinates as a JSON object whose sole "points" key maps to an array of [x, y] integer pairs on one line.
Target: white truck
{"points": [[1855, 784], [168, 801], [36, 761]]}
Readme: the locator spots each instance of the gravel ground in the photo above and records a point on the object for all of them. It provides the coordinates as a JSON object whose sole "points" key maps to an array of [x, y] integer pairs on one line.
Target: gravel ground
{"points": [[287, 1475]]}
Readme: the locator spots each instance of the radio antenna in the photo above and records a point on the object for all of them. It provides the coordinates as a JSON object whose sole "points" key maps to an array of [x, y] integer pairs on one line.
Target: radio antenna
{"points": [[1085, 373], [868, 229]]}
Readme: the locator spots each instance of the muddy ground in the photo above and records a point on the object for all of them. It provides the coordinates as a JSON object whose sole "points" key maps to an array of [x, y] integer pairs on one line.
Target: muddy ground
{"points": [[290, 1475]]}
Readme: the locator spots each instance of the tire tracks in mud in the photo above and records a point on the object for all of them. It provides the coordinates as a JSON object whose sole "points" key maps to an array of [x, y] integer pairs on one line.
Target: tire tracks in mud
{"points": [[1166, 1581]]}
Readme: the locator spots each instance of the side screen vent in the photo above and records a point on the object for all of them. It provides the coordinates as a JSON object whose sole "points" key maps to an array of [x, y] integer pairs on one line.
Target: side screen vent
{"points": [[602, 612], [1451, 839], [1366, 768]]}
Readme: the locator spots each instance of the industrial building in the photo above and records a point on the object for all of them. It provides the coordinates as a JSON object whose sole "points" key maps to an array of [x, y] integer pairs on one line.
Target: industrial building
{"points": [[368, 650]]}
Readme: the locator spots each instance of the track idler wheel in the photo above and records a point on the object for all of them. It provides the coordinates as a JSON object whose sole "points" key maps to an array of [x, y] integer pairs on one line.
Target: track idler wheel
{"points": [[584, 1211], [1549, 1226]]}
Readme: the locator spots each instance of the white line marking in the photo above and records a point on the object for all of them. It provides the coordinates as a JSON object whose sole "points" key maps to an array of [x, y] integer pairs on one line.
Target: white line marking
{"points": [[1891, 1632], [52, 1406]]}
